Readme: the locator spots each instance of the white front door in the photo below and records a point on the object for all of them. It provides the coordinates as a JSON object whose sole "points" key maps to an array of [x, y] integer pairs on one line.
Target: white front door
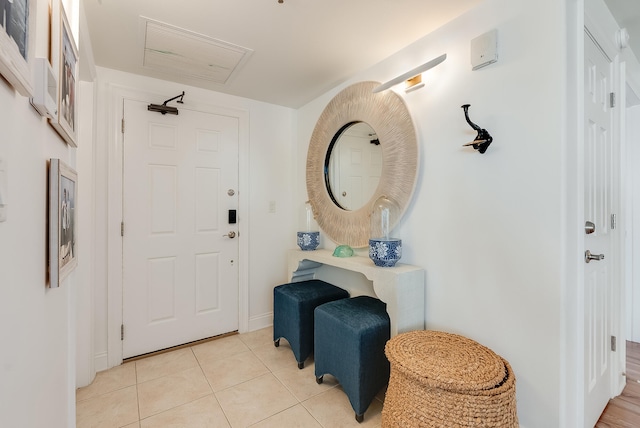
{"points": [[180, 255], [601, 166]]}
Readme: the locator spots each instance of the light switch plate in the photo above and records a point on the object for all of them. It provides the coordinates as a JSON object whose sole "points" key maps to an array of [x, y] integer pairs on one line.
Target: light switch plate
{"points": [[3, 190], [484, 50]]}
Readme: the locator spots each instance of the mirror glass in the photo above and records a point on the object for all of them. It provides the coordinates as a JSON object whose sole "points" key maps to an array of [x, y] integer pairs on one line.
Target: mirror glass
{"points": [[347, 222], [353, 165]]}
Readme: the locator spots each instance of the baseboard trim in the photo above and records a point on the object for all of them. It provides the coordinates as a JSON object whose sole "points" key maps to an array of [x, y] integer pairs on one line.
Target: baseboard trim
{"points": [[100, 362], [261, 321]]}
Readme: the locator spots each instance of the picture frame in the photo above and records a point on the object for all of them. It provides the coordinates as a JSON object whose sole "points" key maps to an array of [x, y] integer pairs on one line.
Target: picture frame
{"points": [[65, 59], [63, 194], [16, 23]]}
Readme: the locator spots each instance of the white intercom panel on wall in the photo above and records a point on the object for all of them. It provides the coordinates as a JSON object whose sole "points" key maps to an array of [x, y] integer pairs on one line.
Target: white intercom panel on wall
{"points": [[484, 50], [45, 89]]}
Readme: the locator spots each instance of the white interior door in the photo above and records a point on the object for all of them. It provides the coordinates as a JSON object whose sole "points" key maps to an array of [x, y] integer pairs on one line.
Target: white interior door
{"points": [[180, 248], [600, 152], [359, 167]]}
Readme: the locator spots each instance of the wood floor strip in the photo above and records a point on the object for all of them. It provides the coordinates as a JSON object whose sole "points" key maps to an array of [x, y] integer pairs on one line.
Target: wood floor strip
{"points": [[624, 411], [619, 417]]}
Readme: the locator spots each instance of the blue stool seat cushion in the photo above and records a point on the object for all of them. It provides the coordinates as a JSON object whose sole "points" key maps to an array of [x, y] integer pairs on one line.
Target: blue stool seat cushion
{"points": [[350, 336], [293, 306]]}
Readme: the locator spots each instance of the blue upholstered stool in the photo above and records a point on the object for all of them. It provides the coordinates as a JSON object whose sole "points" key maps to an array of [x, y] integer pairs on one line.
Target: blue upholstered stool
{"points": [[350, 336], [293, 306]]}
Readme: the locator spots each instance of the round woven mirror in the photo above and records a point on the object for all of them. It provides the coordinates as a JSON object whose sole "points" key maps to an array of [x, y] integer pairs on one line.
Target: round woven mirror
{"points": [[388, 116]]}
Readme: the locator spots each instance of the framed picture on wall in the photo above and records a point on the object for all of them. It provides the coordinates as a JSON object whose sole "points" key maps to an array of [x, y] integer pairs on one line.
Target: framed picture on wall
{"points": [[66, 58], [63, 192], [15, 23]]}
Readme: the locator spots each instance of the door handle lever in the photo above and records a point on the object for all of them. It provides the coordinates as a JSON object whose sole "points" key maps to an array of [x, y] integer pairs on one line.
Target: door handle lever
{"points": [[231, 235], [588, 256]]}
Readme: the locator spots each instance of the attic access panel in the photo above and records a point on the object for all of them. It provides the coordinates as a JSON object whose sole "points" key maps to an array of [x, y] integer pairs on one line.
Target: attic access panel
{"points": [[178, 51]]}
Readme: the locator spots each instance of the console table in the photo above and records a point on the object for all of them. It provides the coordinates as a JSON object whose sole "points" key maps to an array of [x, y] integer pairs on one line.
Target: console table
{"points": [[401, 287]]}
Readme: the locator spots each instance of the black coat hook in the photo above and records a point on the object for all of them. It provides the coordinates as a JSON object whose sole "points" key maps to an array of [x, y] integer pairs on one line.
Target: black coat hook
{"points": [[483, 139]]}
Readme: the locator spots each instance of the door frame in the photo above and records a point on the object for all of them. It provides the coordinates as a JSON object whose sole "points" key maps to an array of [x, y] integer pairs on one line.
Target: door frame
{"points": [[581, 14], [116, 94], [603, 31]]}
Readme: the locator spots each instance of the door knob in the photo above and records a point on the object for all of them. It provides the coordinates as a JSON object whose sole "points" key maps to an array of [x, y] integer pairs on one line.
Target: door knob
{"points": [[588, 256], [231, 235]]}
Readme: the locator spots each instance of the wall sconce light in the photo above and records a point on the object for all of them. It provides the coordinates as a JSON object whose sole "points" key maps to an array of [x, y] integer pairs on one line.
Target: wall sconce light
{"points": [[412, 77], [413, 83]]}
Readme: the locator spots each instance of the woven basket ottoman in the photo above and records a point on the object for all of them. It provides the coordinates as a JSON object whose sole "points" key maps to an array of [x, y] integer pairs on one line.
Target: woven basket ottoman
{"points": [[446, 380]]}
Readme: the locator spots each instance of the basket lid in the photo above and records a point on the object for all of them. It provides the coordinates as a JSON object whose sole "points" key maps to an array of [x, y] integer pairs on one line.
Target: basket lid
{"points": [[447, 361]]}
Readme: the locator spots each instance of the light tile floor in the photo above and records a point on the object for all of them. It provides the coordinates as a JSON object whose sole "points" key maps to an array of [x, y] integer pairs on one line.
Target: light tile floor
{"points": [[237, 381]]}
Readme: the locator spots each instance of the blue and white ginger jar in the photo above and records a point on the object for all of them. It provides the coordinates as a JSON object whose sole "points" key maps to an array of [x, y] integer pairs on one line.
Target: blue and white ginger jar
{"points": [[308, 241], [385, 252]]}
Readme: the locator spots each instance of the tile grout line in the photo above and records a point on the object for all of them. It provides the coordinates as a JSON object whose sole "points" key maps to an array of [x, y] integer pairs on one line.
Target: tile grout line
{"points": [[275, 365], [135, 369], [188, 402], [119, 388], [213, 392], [309, 411], [299, 402]]}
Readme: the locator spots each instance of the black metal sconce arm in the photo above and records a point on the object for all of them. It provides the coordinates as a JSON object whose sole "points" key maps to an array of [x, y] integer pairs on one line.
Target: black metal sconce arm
{"points": [[483, 139]]}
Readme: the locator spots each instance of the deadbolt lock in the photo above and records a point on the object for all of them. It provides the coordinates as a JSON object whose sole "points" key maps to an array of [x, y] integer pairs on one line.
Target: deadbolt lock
{"points": [[589, 227]]}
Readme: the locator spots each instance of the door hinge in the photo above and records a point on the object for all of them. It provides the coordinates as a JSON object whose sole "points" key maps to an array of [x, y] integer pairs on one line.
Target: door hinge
{"points": [[613, 221], [122, 228], [122, 126], [612, 99], [121, 331], [613, 343]]}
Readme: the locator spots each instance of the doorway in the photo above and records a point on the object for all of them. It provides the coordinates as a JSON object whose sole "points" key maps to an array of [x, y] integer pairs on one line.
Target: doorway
{"points": [[113, 303], [601, 28], [180, 251], [632, 295], [601, 205]]}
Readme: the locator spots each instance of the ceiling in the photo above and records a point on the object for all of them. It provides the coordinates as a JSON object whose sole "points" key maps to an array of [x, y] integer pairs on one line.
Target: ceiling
{"points": [[627, 14], [299, 49], [295, 50]]}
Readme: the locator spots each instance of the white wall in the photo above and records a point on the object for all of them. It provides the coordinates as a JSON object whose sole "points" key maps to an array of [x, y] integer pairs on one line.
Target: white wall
{"points": [[488, 228], [84, 302], [35, 335], [633, 159], [265, 176], [38, 324]]}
